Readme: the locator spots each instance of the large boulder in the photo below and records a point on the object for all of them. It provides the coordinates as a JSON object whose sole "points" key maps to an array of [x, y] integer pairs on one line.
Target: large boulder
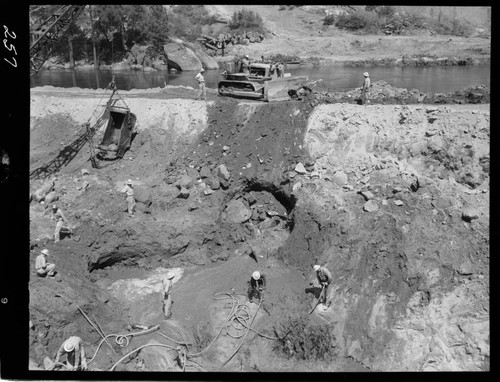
{"points": [[207, 61], [137, 54], [159, 64], [156, 356], [47, 187], [237, 212], [180, 57], [143, 195]]}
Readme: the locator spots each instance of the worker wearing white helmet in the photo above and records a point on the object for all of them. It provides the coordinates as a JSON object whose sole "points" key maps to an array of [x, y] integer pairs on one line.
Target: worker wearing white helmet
{"points": [[167, 295], [60, 219], [257, 286], [128, 190], [75, 351], [245, 65], [42, 267], [201, 85], [366, 87], [324, 277]]}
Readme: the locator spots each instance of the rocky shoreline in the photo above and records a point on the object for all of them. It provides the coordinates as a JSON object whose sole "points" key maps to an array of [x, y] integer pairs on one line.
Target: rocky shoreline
{"points": [[311, 61]]}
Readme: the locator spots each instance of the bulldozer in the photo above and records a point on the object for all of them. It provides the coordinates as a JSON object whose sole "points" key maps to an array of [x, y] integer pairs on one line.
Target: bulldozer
{"points": [[259, 83]]}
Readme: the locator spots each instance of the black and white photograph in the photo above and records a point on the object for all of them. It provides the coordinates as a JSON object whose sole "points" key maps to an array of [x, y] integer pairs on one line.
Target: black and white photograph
{"points": [[254, 189]]}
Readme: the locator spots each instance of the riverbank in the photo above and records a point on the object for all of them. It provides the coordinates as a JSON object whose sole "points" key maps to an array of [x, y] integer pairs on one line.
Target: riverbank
{"points": [[340, 48]]}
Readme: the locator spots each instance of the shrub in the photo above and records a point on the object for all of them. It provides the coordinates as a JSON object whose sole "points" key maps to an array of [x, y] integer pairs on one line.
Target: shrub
{"points": [[329, 19], [246, 20], [385, 11], [187, 21], [281, 7], [282, 58], [202, 336], [355, 21], [302, 340]]}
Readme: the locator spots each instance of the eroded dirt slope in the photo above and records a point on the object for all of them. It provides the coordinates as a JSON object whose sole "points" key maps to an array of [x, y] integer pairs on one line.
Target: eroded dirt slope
{"points": [[393, 199]]}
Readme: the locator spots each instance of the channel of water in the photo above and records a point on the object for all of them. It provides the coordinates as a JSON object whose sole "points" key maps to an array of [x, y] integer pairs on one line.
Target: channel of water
{"points": [[334, 77]]}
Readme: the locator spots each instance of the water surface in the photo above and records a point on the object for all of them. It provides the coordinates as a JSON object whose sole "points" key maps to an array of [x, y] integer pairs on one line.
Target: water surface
{"points": [[335, 77]]}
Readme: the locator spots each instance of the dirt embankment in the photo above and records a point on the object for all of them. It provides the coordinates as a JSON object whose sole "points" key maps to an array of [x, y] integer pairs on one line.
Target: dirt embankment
{"points": [[393, 199], [300, 32]]}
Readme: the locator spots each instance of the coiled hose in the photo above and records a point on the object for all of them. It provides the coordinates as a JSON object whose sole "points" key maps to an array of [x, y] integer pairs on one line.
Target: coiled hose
{"points": [[237, 325]]}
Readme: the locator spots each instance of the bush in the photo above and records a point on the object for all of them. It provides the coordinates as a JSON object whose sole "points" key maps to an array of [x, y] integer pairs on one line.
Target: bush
{"points": [[282, 58], [202, 336], [329, 19], [246, 21], [187, 21], [355, 21], [385, 11], [302, 340]]}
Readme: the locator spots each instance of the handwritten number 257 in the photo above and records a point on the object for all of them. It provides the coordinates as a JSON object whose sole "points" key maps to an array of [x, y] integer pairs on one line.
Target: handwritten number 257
{"points": [[11, 47]]}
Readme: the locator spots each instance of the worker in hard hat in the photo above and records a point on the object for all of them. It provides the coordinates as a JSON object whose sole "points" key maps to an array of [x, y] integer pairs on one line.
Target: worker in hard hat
{"points": [[128, 190], [73, 348], [325, 278], [365, 88], [42, 267], [201, 84], [60, 219], [245, 65], [257, 286], [167, 294]]}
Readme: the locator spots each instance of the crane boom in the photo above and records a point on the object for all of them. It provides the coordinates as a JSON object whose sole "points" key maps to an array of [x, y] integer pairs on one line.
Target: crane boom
{"points": [[49, 32]]}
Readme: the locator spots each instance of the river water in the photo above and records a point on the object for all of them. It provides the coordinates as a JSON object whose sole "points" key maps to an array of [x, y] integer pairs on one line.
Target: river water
{"points": [[335, 77]]}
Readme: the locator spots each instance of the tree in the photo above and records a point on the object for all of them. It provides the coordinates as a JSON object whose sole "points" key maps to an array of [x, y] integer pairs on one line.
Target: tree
{"points": [[156, 27]]}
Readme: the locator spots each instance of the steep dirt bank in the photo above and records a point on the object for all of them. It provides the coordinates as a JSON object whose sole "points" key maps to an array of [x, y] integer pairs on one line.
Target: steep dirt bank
{"points": [[392, 198]]}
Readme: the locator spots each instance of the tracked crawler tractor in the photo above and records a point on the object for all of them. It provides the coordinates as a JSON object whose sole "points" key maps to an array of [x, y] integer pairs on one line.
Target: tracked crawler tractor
{"points": [[258, 84]]}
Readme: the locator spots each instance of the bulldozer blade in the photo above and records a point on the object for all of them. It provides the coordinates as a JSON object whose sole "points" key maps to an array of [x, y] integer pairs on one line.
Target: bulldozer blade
{"points": [[277, 89]]}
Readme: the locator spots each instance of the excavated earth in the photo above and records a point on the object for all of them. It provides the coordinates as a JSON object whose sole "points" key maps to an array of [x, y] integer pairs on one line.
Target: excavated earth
{"points": [[392, 197]]}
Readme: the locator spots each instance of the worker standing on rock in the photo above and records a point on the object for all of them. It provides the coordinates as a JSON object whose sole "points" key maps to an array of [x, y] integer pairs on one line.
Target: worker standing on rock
{"points": [[60, 219], [167, 295], [42, 267], [201, 84], [257, 286], [365, 87], [325, 278], [75, 351], [128, 190]]}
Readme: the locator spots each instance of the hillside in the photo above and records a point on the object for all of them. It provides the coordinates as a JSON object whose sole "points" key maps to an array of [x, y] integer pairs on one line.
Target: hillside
{"points": [[300, 32]]}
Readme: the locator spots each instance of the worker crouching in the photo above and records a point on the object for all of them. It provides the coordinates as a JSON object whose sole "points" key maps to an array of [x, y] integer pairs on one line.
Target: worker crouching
{"points": [[325, 278], [42, 267], [73, 348], [257, 286]]}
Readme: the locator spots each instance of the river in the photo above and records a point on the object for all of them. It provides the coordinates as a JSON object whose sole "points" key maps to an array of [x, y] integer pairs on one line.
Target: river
{"points": [[335, 77]]}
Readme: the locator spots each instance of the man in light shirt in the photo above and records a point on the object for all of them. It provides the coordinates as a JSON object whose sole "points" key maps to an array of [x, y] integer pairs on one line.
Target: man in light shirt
{"points": [[75, 351], [201, 84], [42, 267], [325, 278], [365, 87], [167, 295], [60, 219], [128, 190]]}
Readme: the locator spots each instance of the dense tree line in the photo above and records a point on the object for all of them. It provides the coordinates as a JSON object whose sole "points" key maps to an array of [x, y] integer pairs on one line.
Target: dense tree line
{"points": [[112, 30]]}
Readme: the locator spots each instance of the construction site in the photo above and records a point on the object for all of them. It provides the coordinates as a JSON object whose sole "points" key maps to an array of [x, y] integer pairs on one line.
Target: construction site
{"points": [[388, 191]]}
